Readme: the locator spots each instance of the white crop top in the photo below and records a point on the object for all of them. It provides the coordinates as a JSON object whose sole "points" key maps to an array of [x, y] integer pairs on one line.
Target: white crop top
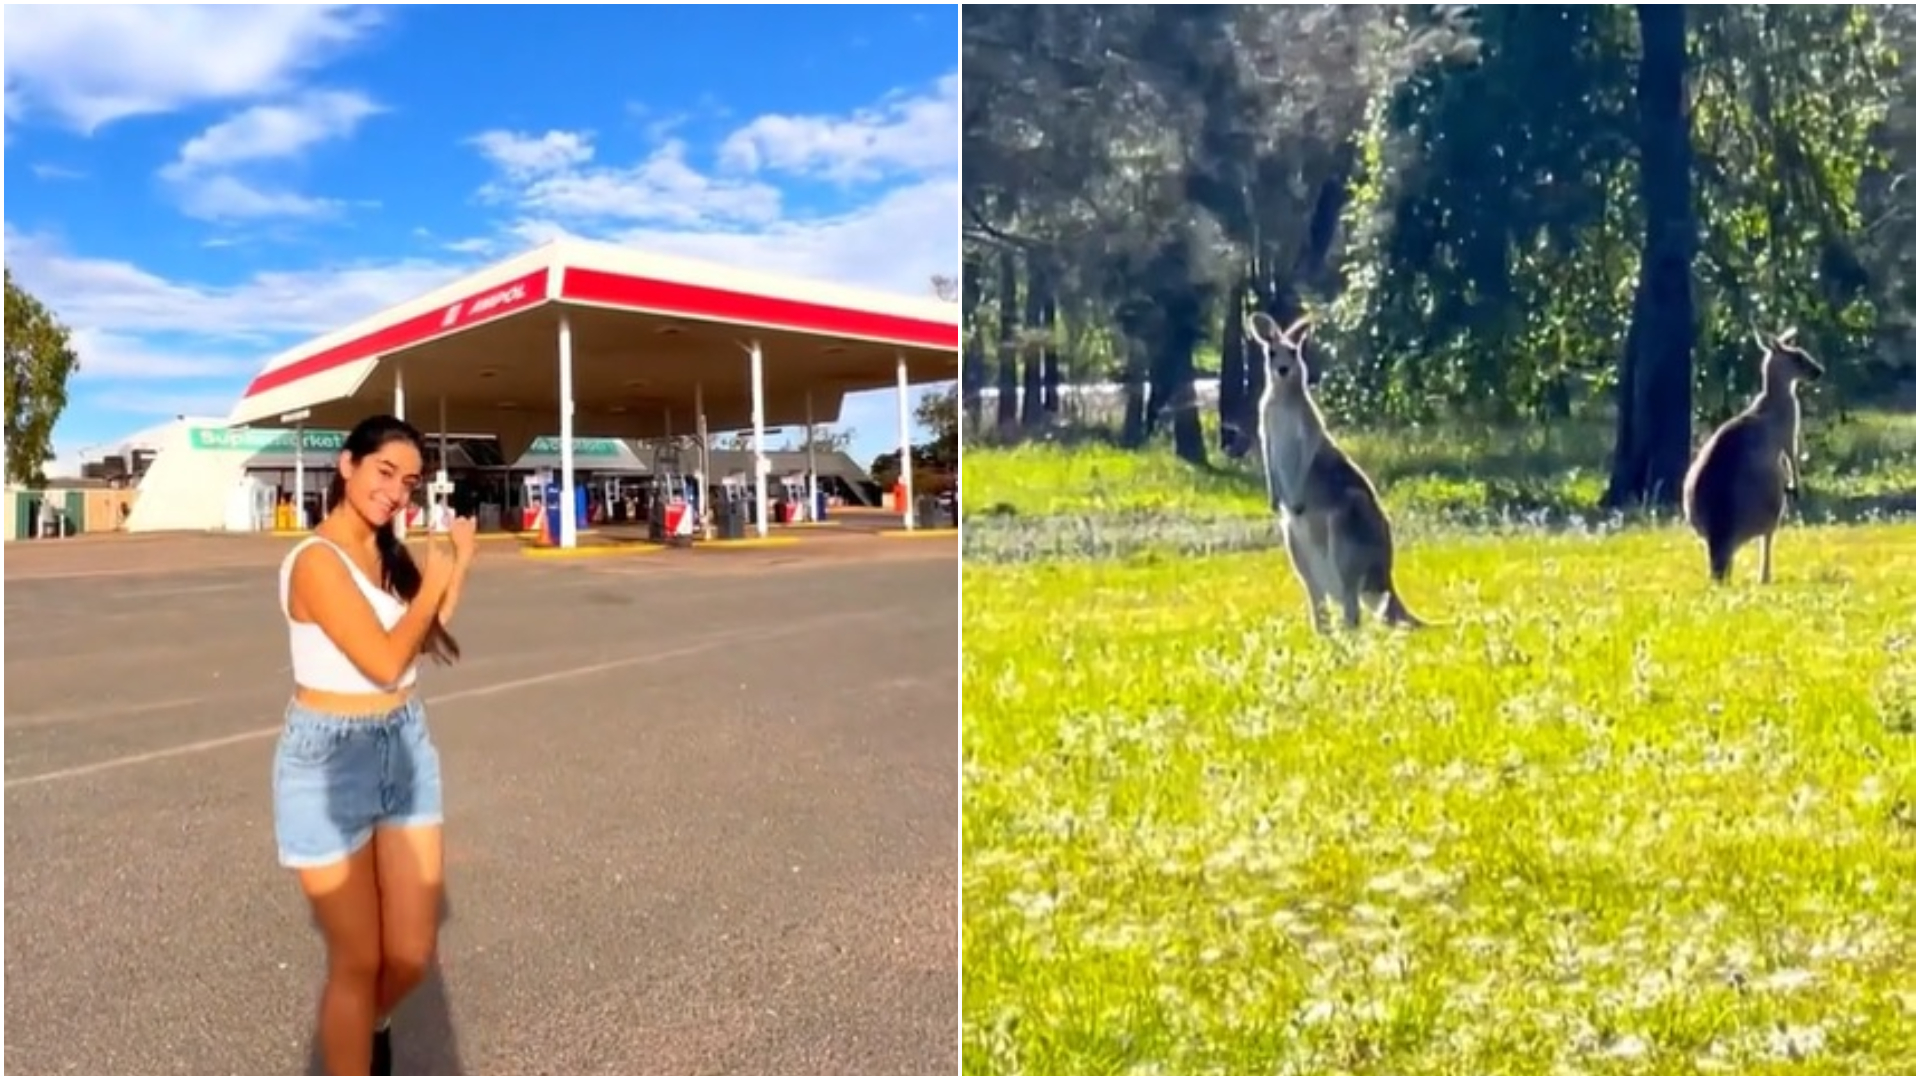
{"points": [[318, 663]]}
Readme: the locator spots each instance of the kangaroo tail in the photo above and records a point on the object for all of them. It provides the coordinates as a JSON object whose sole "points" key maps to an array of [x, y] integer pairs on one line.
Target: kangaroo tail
{"points": [[1395, 611]]}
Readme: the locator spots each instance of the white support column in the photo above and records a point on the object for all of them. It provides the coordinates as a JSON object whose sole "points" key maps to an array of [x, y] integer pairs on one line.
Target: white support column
{"points": [[400, 410], [442, 484], [906, 443], [701, 464], [569, 533], [299, 474], [813, 472], [759, 442]]}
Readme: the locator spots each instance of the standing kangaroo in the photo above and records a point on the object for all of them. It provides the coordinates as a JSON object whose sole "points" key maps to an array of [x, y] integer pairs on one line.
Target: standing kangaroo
{"points": [[1337, 535], [1736, 489]]}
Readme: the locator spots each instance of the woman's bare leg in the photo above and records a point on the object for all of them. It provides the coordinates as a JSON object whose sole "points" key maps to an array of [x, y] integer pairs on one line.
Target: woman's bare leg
{"points": [[346, 903], [410, 862]]}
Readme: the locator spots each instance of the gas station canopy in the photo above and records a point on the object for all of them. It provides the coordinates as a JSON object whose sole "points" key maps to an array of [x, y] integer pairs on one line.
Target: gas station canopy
{"points": [[645, 346]]}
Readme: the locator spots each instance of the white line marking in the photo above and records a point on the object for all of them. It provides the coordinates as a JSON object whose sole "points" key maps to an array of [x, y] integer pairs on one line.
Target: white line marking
{"points": [[741, 637], [187, 590], [127, 571], [129, 708]]}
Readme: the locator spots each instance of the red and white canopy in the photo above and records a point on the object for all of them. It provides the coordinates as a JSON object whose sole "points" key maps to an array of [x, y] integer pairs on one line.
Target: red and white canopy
{"points": [[652, 338]]}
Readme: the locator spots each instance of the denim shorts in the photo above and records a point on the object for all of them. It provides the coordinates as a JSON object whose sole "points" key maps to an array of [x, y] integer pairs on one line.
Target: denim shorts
{"points": [[338, 778]]}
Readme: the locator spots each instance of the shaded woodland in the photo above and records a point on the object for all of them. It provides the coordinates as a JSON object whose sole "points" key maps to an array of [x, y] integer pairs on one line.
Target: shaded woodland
{"points": [[1498, 215]]}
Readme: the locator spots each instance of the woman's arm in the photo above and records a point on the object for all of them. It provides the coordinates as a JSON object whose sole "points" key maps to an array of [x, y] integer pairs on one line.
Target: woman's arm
{"points": [[323, 590], [461, 537], [451, 601]]}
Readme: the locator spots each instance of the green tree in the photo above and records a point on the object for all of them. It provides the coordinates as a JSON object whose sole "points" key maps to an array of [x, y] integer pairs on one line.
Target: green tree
{"points": [[40, 360], [939, 413]]}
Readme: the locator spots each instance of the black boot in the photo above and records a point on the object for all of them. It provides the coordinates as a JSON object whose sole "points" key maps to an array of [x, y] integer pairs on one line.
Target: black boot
{"points": [[382, 1053]]}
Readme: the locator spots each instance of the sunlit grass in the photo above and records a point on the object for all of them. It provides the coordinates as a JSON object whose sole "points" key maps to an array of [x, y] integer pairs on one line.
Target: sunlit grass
{"points": [[1606, 818], [1863, 467]]}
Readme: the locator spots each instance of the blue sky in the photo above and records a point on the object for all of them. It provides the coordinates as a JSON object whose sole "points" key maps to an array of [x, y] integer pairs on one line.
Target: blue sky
{"points": [[194, 188]]}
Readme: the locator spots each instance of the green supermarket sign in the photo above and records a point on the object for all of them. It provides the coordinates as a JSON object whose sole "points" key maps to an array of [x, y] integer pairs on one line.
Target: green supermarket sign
{"points": [[314, 441], [594, 448], [259, 441]]}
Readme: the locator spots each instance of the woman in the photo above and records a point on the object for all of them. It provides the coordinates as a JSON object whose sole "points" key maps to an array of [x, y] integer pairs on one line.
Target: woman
{"points": [[356, 778]]}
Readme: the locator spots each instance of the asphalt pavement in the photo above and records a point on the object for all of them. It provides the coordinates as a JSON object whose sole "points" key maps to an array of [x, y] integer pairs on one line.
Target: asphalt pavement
{"points": [[702, 815]]}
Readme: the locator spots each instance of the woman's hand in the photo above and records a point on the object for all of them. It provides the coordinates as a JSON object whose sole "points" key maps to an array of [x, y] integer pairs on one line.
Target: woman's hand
{"points": [[438, 569], [461, 537], [462, 533]]}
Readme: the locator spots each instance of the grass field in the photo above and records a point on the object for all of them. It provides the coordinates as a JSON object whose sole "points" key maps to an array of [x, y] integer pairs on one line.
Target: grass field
{"points": [[1605, 819]]}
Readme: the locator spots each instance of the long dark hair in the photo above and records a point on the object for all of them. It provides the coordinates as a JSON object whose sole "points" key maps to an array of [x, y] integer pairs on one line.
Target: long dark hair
{"points": [[398, 572]]}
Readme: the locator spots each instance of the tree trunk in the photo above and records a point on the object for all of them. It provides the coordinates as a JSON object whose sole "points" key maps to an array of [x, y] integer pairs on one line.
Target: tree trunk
{"points": [[1234, 438], [1133, 318], [1176, 330], [1050, 374], [1007, 383], [1033, 352], [1653, 438], [973, 362]]}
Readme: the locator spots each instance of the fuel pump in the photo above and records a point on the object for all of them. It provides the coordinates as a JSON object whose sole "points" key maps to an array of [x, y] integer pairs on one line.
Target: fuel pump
{"points": [[614, 507], [793, 492], [439, 503], [533, 501], [736, 506], [669, 516]]}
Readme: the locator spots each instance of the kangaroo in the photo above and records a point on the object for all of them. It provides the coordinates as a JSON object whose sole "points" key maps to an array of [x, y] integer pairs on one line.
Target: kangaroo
{"points": [[1337, 534], [1736, 489]]}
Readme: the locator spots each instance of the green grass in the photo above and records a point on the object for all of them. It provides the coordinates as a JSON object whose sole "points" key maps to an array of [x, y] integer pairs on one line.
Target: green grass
{"points": [[1859, 468], [1607, 818]]}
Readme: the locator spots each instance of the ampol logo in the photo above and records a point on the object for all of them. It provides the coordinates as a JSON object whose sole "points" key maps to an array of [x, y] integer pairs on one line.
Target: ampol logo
{"points": [[482, 305], [512, 294]]}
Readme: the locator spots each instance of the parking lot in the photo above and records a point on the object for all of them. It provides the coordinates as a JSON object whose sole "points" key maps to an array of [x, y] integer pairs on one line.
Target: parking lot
{"points": [[702, 815]]}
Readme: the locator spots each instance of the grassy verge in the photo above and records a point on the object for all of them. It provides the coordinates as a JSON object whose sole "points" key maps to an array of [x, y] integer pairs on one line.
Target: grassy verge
{"points": [[1859, 470], [1605, 819]]}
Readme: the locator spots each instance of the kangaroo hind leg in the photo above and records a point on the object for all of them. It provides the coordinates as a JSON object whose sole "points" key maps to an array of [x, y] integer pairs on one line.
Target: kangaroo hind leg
{"points": [[1306, 566], [1719, 558]]}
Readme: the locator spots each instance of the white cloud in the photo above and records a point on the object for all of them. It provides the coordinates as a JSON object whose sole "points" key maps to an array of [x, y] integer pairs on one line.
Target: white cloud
{"points": [[129, 321], [911, 134], [553, 175], [221, 197], [268, 132], [109, 356], [116, 297], [523, 157], [207, 177], [89, 65], [894, 241], [144, 404]]}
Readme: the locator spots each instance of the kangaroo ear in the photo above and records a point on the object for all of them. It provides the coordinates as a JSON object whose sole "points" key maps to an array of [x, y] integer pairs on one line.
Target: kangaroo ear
{"points": [[1261, 327], [1296, 334], [1785, 337], [1760, 339]]}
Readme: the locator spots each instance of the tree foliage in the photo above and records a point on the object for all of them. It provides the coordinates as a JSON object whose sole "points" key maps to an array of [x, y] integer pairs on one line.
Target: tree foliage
{"points": [[40, 361], [1471, 197]]}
